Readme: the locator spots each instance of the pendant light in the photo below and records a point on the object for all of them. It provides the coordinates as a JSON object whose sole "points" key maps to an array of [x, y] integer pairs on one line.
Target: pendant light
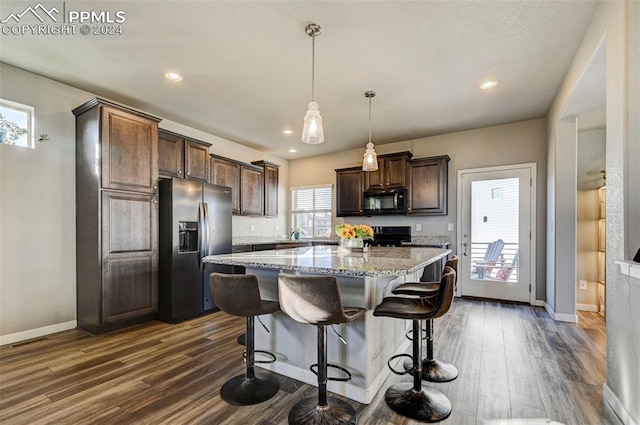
{"points": [[312, 132], [370, 162]]}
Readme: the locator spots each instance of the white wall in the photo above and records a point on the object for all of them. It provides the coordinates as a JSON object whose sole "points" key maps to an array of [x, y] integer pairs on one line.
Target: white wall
{"points": [[37, 207], [515, 143], [611, 23]]}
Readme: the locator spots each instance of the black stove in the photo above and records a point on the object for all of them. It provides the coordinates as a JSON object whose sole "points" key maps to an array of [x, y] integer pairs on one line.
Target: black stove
{"points": [[390, 235]]}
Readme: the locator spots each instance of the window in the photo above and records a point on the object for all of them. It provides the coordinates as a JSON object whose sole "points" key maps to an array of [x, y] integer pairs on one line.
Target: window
{"points": [[16, 123], [311, 210]]}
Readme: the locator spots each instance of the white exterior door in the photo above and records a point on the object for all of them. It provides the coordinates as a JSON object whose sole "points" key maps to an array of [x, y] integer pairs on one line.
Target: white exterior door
{"points": [[495, 217]]}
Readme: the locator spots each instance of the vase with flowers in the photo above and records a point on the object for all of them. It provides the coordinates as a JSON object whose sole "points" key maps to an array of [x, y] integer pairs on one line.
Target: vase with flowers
{"points": [[352, 237]]}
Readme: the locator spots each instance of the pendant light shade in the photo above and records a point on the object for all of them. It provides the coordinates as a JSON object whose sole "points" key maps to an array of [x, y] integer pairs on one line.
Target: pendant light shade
{"points": [[312, 132], [370, 161]]}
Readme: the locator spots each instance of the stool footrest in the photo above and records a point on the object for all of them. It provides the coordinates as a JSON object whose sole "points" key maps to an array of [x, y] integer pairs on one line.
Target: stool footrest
{"points": [[409, 335], [314, 368], [272, 357], [406, 371]]}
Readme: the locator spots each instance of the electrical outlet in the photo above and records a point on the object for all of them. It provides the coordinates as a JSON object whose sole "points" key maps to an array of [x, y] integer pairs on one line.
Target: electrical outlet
{"points": [[583, 284], [418, 227], [252, 228], [450, 227]]}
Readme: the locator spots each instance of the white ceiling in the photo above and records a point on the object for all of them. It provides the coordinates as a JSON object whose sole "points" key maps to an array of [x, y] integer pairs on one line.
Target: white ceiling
{"points": [[247, 65]]}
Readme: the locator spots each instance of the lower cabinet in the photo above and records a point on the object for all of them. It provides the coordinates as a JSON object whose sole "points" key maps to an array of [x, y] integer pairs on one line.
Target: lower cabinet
{"points": [[117, 285]]}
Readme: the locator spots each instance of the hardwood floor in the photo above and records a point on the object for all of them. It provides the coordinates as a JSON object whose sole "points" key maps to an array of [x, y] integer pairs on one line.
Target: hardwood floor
{"points": [[514, 362]]}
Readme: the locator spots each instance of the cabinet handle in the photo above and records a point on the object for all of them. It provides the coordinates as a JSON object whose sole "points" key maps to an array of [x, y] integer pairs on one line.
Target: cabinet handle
{"points": [[188, 173], [155, 187], [155, 201], [179, 172]]}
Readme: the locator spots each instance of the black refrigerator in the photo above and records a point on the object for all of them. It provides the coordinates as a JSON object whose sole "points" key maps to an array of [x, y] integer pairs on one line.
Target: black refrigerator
{"points": [[195, 221]]}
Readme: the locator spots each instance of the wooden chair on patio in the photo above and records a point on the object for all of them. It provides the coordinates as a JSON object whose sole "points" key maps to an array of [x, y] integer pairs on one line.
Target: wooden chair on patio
{"points": [[484, 267]]}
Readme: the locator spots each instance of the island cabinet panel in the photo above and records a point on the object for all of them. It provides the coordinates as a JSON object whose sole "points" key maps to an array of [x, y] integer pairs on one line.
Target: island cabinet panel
{"points": [[225, 172], [183, 157], [129, 156], [271, 181], [349, 191], [116, 216], [170, 155], [428, 190], [393, 172], [251, 190]]}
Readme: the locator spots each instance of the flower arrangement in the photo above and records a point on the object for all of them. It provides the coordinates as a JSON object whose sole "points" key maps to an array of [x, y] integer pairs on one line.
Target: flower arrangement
{"points": [[347, 231]]}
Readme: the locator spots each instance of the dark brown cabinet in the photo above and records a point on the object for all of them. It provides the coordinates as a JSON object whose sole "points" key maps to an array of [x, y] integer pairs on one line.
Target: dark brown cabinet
{"points": [[271, 176], [116, 216], [130, 257], [428, 189], [225, 172], [251, 190], [349, 189], [393, 172], [180, 156]]}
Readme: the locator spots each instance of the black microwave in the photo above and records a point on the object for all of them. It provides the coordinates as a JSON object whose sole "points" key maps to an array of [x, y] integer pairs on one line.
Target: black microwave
{"points": [[378, 202]]}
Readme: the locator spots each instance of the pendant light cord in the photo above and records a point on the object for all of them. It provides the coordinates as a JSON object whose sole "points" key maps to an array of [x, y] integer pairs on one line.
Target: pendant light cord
{"points": [[369, 120], [313, 67]]}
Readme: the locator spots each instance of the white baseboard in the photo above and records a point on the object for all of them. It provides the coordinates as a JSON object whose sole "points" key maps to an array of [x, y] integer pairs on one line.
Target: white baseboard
{"points": [[538, 303], [35, 333], [561, 317], [587, 307], [617, 406]]}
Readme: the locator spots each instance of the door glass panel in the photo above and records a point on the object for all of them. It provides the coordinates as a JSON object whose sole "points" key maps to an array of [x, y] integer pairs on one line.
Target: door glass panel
{"points": [[494, 230]]}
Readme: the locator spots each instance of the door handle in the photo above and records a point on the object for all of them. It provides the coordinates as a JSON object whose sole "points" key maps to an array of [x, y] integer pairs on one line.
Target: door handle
{"points": [[465, 245]]}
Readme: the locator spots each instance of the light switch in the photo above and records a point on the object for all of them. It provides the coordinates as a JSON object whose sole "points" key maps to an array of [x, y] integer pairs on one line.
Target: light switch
{"points": [[418, 227], [252, 228], [450, 227]]}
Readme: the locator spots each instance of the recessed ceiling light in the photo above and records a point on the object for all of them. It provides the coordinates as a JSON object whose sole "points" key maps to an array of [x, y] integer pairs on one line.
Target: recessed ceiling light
{"points": [[173, 76], [292, 151], [287, 132], [488, 85]]}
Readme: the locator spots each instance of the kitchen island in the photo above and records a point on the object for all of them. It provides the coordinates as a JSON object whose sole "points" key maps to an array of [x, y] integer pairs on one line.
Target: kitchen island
{"points": [[364, 279]]}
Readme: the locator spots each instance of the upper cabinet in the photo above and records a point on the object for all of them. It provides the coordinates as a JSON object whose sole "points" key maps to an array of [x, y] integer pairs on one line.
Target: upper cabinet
{"points": [[428, 188], [251, 190], [392, 172], [349, 189], [271, 177], [225, 172], [246, 182], [180, 156]]}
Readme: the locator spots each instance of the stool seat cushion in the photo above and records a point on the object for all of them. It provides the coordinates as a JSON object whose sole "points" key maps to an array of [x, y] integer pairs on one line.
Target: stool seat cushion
{"points": [[418, 289], [314, 300], [239, 295], [404, 308]]}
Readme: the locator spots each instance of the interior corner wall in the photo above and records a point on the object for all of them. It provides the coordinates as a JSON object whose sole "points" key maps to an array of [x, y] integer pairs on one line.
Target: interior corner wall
{"points": [[610, 23], [565, 216]]}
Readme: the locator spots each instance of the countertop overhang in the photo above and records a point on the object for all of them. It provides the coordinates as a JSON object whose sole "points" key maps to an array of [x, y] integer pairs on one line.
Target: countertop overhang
{"points": [[376, 262]]}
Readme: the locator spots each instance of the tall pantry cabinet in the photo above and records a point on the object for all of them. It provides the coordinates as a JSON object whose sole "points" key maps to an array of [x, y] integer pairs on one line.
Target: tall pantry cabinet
{"points": [[116, 216]]}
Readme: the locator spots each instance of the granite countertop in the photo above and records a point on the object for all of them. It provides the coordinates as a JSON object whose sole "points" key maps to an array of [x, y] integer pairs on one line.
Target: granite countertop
{"points": [[428, 240], [259, 240], [378, 261]]}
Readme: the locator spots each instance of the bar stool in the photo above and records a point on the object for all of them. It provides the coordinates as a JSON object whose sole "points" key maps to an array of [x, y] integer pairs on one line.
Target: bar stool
{"points": [[410, 399], [433, 370], [316, 300], [239, 295]]}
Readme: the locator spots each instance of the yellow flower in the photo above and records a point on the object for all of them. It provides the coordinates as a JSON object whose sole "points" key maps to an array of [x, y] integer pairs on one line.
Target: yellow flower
{"points": [[347, 231]]}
